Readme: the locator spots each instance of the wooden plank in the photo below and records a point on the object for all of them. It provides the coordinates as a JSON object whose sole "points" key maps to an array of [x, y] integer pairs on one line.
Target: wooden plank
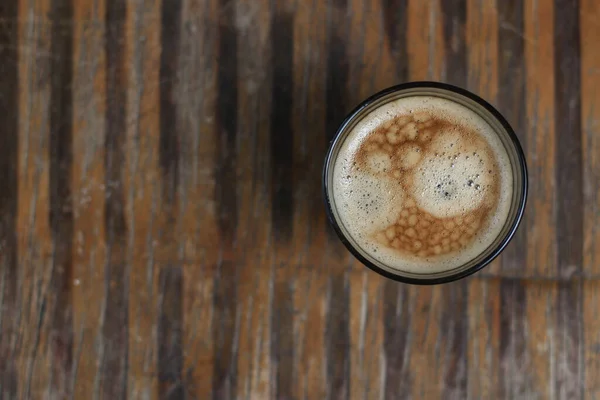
{"points": [[569, 233], [482, 48], [423, 341], [569, 359], [61, 197], [89, 194], [336, 89], [308, 297], [169, 324], [453, 21], [541, 139], [590, 102], [369, 367], [309, 240], [568, 156], [255, 365], [591, 335], [282, 190], [540, 221], [454, 344], [170, 357], [143, 193], [200, 241], [540, 304], [395, 29], [33, 232], [282, 131], [397, 345], [511, 103], [420, 25], [484, 337], [309, 327], [113, 381], [9, 173], [513, 381], [226, 200]]}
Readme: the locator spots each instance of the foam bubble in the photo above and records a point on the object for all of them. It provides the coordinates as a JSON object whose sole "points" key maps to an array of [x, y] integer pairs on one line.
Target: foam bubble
{"points": [[455, 184], [379, 162], [373, 201], [425, 184], [409, 155]]}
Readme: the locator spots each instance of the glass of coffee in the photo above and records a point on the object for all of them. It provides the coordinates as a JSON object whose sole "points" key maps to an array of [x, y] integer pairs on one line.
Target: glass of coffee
{"points": [[425, 183]]}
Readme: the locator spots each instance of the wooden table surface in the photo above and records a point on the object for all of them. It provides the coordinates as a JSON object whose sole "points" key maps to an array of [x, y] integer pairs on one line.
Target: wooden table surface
{"points": [[162, 229]]}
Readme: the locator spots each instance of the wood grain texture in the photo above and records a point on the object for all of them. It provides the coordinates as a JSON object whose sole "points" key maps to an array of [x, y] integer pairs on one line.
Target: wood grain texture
{"points": [[61, 196], [90, 79], [541, 138], [256, 361], [590, 112], [141, 174], [590, 63], [170, 324], [511, 102], [309, 251], [34, 247], [116, 315], [568, 155], [282, 190], [9, 142], [569, 179], [162, 232]]}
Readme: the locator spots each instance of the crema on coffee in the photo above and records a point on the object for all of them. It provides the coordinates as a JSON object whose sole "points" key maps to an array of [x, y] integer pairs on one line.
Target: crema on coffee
{"points": [[422, 184]]}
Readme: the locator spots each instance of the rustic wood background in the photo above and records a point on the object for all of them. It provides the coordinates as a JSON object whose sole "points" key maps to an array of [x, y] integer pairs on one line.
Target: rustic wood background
{"points": [[162, 233]]}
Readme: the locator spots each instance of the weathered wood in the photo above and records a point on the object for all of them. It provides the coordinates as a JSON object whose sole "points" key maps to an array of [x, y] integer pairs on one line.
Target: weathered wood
{"points": [[569, 186], [511, 102], [568, 156], [33, 233], [590, 112], [90, 111], [541, 139], [9, 173], [255, 362], [484, 335], [309, 241], [143, 197], [61, 197], [226, 277], [540, 339], [162, 232]]}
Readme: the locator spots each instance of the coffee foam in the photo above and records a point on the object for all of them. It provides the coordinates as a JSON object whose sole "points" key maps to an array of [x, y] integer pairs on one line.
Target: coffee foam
{"points": [[422, 184]]}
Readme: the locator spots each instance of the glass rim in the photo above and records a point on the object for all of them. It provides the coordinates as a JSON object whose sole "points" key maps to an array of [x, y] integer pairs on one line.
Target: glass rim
{"points": [[514, 224]]}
